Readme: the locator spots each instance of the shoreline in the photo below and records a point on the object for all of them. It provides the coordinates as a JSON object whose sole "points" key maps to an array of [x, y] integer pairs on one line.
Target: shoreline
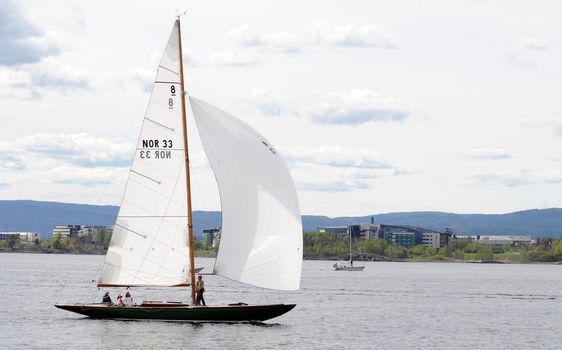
{"points": [[209, 254]]}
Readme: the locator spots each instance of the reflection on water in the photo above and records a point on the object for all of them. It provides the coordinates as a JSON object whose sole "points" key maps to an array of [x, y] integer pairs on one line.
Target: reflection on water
{"points": [[386, 306]]}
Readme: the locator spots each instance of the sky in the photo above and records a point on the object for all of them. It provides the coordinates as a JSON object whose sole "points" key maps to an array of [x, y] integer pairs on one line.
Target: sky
{"points": [[376, 106]]}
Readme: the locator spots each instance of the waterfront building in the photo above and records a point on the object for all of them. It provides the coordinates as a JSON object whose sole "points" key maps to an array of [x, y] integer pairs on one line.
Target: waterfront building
{"points": [[339, 231], [431, 239], [96, 233], [515, 241], [403, 235], [405, 239], [66, 230], [20, 236], [437, 239], [209, 236]]}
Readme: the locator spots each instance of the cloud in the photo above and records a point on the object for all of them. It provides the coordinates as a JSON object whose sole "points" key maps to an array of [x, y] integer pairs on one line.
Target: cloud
{"points": [[27, 82], [352, 35], [11, 162], [322, 34], [336, 169], [84, 176], [21, 42], [246, 35], [533, 43], [51, 74], [64, 159], [234, 59], [554, 124], [336, 156], [517, 178], [520, 61], [353, 108], [144, 77], [267, 105], [310, 177], [488, 154], [358, 107], [78, 149]]}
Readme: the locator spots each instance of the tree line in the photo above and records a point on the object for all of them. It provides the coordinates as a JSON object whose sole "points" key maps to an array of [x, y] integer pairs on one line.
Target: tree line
{"points": [[319, 245]]}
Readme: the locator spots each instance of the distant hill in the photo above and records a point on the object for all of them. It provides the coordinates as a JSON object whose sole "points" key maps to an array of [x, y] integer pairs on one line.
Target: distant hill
{"points": [[36, 216], [534, 222]]}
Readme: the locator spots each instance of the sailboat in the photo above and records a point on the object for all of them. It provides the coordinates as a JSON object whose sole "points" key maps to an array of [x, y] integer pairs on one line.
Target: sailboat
{"points": [[350, 267], [152, 243]]}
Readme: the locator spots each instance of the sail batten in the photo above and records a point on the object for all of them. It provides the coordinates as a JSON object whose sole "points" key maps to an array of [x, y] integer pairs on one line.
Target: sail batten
{"points": [[149, 244], [261, 235]]}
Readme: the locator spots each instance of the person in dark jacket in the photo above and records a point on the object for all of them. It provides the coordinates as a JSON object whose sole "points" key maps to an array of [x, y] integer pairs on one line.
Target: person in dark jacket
{"points": [[107, 298]]}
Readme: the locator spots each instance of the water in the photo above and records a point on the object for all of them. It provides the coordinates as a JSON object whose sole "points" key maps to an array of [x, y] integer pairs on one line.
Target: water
{"points": [[386, 306]]}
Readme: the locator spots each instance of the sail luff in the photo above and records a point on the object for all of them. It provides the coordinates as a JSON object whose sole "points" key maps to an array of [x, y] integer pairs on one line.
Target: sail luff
{"points": [[187, 173]]}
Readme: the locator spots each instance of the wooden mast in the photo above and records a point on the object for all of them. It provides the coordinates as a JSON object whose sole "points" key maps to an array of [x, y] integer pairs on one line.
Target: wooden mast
{"points": [[187, 174]]}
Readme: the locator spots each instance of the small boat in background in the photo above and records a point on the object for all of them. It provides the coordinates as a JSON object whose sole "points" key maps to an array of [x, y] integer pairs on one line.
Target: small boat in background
{"points": [[350, 267]]}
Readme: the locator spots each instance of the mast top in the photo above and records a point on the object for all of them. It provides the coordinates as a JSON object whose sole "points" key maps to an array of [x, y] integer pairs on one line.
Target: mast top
{"points": [[178, 14]]}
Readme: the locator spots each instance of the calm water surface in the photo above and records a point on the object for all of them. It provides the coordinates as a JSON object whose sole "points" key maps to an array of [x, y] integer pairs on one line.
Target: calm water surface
{"points": [[386, 306]]}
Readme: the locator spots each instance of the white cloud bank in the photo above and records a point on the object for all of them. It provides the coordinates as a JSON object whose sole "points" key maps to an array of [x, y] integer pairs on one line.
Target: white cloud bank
{"points": [[323, 34], [64, 158], [533, 43], [21, 42], [336, 169], [353, 108], [358, 107], [488, 154], [29, 62], [519, 177]]}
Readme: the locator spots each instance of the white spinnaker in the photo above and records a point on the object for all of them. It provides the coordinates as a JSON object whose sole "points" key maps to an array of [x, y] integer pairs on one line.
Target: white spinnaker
{"points": [[149, 245], [261, 238]]}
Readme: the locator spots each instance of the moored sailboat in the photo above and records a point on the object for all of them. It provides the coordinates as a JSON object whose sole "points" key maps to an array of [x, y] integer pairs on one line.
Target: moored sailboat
{"points": [[152, 244], [350, 267]]}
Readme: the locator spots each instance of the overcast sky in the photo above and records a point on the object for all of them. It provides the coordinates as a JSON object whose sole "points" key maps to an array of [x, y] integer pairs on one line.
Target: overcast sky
{"points": [[377, 106]]}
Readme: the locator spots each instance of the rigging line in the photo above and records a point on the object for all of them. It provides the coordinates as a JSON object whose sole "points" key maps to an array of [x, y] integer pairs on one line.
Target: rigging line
{"points": [[128, 229], [136, 172], [168, 69], [157, 123], [166, 82]]}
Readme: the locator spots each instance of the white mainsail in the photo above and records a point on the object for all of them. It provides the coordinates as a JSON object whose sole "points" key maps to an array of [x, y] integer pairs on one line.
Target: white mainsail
{"points": [[149, 246], [261, 238]]}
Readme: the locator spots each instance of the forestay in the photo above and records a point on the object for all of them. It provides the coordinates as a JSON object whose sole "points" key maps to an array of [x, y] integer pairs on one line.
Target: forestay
{"points": [[261, 238], [149, 244]]}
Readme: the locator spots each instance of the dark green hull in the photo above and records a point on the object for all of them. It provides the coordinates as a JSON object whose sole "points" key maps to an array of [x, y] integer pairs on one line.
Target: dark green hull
{"points": [[227, 313]]}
